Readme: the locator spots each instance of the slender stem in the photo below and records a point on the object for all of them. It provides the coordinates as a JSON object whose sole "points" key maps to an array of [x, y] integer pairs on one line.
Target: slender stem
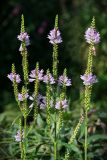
{"points": [[21, 142], [21, 149], [55, 151], [55, 141], [25, 138], [86, 135]]}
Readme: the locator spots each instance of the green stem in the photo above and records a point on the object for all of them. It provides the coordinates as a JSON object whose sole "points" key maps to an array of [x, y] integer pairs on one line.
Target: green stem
{"points": [[86, 135], [25, 138], [21, 149], [55, 141], [55, 150], [55, 60], [21, 142]]}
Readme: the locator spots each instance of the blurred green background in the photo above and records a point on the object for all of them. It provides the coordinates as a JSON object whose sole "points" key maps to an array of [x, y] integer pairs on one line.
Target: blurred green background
{"points": [[74, 18]]}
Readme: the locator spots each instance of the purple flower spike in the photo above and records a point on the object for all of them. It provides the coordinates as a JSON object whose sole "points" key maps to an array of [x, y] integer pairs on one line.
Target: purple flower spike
{"points": [[92, 36], [88, 79], [64, 80], [55, 36], [33, 75], [18, 136], [48, 79], [14, 76], [24, 37], [22, 97], [61, 104]]}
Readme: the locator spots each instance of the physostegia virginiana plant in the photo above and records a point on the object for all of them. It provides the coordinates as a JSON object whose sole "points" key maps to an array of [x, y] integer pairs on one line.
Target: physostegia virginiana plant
{"points": [[54, 103], [92, 37]]}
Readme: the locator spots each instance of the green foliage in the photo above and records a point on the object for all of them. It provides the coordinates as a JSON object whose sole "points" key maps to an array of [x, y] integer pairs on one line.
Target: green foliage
{"points": [[74, 17]]}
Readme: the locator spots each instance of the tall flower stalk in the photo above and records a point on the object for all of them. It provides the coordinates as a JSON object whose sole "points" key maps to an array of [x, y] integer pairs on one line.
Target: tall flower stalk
{"points": [[55, 38], [24, 106], [92, 37], [24, 38], [15, 84], [55, 72], [48, 100], [21, 97], [55, 51], [36, 88]]}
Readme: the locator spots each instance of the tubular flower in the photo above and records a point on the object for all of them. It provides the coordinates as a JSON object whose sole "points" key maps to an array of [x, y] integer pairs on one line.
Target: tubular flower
{"points": [[61, 104], [24, 37], [88, 79], [14, 77], [41, 101], [64, 80], [92, 36], [48, 79], [33, 75], [55, 36], [21, 48], [19, 136], [22, 97]]}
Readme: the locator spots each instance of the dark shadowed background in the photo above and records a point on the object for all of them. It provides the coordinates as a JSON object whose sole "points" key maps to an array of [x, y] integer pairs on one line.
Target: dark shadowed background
{"points": [[74, 18]]}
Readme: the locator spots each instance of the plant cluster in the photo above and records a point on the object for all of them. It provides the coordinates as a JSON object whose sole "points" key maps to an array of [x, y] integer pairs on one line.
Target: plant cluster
{"points": [[51, 104]]}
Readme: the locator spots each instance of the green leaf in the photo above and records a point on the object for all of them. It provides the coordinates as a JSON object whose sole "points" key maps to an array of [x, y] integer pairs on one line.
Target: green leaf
{"points": [[97, 137]]}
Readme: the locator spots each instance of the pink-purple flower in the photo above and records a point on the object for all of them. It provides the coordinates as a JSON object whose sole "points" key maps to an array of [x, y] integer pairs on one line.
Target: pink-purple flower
{"points": [[55, 36], [61, 104], [48, 79], [24, 37], [41, 101], [88, 79], [92, 36], [33, 75], [64, 80], [19, 136], [14, 77], [22, 97]]}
